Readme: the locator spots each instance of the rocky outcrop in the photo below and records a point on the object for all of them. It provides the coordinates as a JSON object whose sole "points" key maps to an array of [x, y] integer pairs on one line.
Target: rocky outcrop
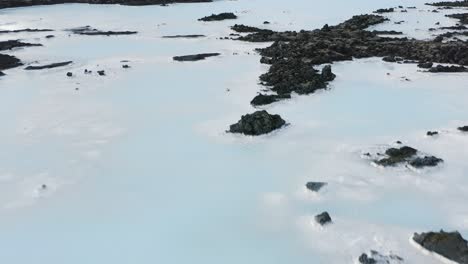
{"points": [[89, 31], [23, 3], [315, 186], [463, 128], [258, 123], [441, 68], [218, 17], [49, 66], [450, 245], [11, 44], [323, 219], [432, 133], [8, 61], [195, 57]]}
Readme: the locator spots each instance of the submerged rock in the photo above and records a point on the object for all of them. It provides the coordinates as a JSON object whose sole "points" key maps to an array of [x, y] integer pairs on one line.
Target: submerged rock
{"points": [[218, 17], [315, 186], [89, 31], [258, 123], [265, 99], [184, 36], [374, 257], [195, 57], [49, 66], [323, 218], [8, 61], [450, 245]]}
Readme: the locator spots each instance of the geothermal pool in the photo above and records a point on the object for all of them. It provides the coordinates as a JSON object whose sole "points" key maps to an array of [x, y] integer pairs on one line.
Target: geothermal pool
{"points": [[139, 168]]}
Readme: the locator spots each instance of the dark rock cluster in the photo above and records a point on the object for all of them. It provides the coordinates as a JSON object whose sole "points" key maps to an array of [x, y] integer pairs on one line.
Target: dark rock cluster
{"points": [[258, 123], [218, 17], [450, 245], [463, 128], [407, 155], [293, 55]]}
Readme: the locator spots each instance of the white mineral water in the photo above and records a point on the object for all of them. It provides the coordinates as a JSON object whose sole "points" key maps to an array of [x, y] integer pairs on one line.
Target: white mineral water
{"points": [[138, 167]]}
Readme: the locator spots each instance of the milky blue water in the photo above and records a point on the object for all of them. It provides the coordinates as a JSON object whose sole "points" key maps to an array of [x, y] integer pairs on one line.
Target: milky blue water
{"points": [[140, 170]]}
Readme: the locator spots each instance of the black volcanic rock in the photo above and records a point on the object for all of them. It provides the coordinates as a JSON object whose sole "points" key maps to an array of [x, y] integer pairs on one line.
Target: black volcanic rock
{"points": [[25, 30], [425, 65], [8, 61], [408, 156], [397, 155], [195, 57], [450, 245], [426, 161], [22, 3], [327, 74], [315, 186], [2, 74], [218, 17], [450, 4], [323, 218], [265, 99], [11, 44], [293, 55], [184, 36], [258, 123], [49, 66], [432, 133], [384, 10], [463, 128]]}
